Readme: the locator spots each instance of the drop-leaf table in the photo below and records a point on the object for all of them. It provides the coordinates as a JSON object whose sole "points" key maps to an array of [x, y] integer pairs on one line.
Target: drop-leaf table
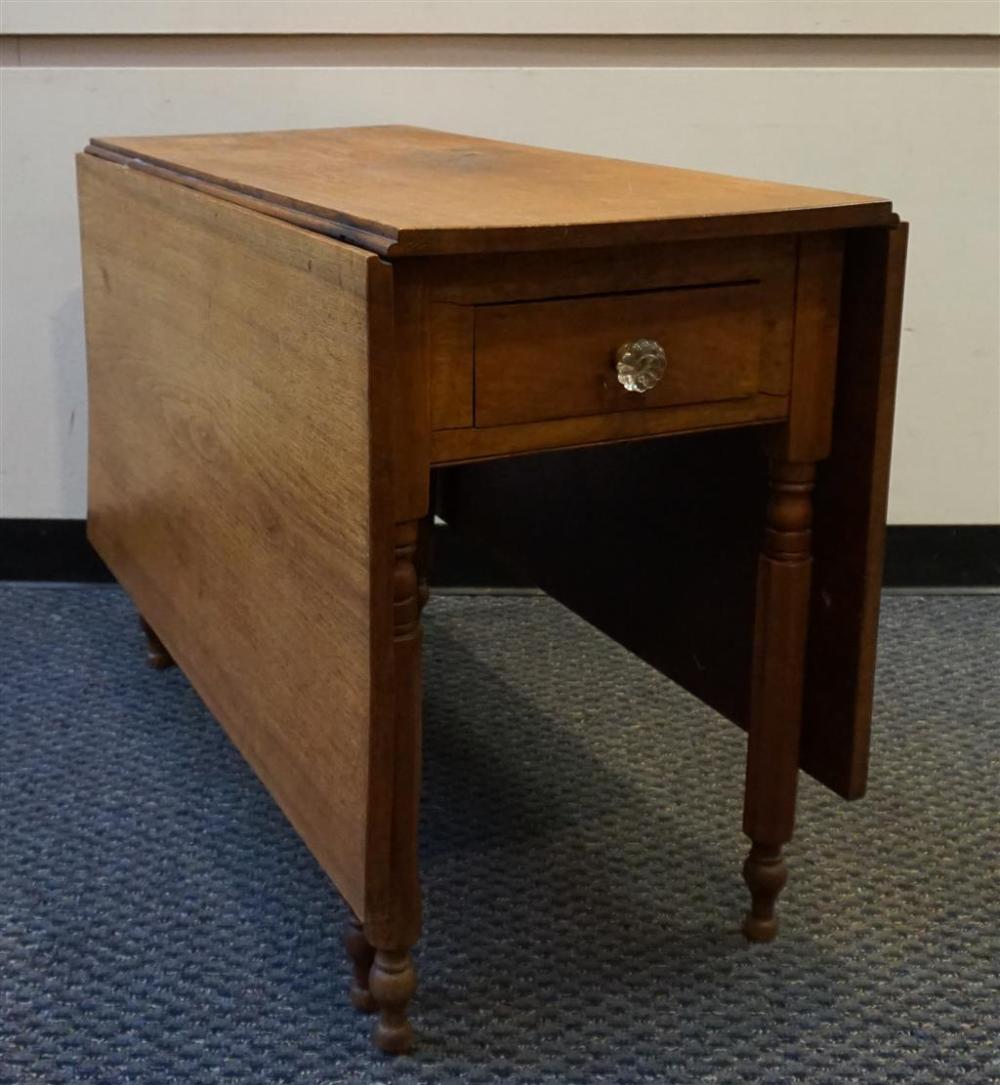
{"points": [[667, 395]]}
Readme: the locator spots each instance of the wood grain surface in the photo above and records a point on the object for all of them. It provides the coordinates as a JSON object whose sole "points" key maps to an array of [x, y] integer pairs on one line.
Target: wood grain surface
{"points": [[231, 480], [402, 190], [852, 494], [556, 359], [814, 348], [536, 369], [449, 446]]}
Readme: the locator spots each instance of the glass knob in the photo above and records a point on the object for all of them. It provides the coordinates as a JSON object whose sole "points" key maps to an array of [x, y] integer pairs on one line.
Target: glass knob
{"points": [[640, 365]]}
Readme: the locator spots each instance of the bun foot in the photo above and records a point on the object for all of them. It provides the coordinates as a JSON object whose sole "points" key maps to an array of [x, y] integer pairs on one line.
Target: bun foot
{"points": [[760, 930], [393, 982], [765, 874], [157, 655], [361, 955]]}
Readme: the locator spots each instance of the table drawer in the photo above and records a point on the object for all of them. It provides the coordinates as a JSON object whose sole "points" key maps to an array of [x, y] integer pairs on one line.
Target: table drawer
{"points": [[539, 360]]}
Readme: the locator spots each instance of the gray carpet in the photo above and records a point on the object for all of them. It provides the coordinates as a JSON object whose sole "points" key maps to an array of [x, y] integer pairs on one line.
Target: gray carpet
{"points": [[160, 923]]}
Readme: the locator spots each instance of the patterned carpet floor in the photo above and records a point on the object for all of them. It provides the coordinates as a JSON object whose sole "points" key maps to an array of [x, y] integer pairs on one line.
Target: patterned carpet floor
{"points": [[161, 923]]}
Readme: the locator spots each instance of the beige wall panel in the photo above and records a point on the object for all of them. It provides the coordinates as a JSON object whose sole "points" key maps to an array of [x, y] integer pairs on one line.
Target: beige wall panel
{"points": [[501, 17]]}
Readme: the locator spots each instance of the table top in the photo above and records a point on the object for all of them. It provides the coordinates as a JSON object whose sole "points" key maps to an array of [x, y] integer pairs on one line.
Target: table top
{"points": [[412, 191]]}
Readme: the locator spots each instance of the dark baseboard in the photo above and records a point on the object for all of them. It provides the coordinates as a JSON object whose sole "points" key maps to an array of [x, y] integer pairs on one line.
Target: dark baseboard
{"points": [[942, 556], [49, 550], [966, 556]]}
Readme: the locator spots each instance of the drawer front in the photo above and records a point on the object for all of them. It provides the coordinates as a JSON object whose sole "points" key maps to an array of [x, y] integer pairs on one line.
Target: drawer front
{"points": [[553, 359]]}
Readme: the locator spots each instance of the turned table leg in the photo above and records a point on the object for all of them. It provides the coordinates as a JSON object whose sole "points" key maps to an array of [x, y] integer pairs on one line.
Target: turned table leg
{"points": [[393, 925], [157, 655], [782, 615], [361, 954], [393, 982]]}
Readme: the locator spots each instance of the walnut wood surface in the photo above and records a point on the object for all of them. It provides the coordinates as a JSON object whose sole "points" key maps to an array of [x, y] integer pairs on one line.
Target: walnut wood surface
{"points": [[555, 359], [814, 348], [852, 493], [402, 190], [447, 296], [450, 446], [231, 483], [484, 278], [450, 346]]}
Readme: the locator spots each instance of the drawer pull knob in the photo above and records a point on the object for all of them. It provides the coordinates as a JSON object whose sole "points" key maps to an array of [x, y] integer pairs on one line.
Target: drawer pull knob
{"points": [[640, 365]]}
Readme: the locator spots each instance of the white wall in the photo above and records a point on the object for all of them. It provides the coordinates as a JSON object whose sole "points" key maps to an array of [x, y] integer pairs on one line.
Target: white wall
{"points": [[914, 115]]}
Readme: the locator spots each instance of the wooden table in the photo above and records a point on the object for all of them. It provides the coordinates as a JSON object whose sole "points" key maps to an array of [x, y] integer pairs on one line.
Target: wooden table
{"points": [[301, 344]]}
